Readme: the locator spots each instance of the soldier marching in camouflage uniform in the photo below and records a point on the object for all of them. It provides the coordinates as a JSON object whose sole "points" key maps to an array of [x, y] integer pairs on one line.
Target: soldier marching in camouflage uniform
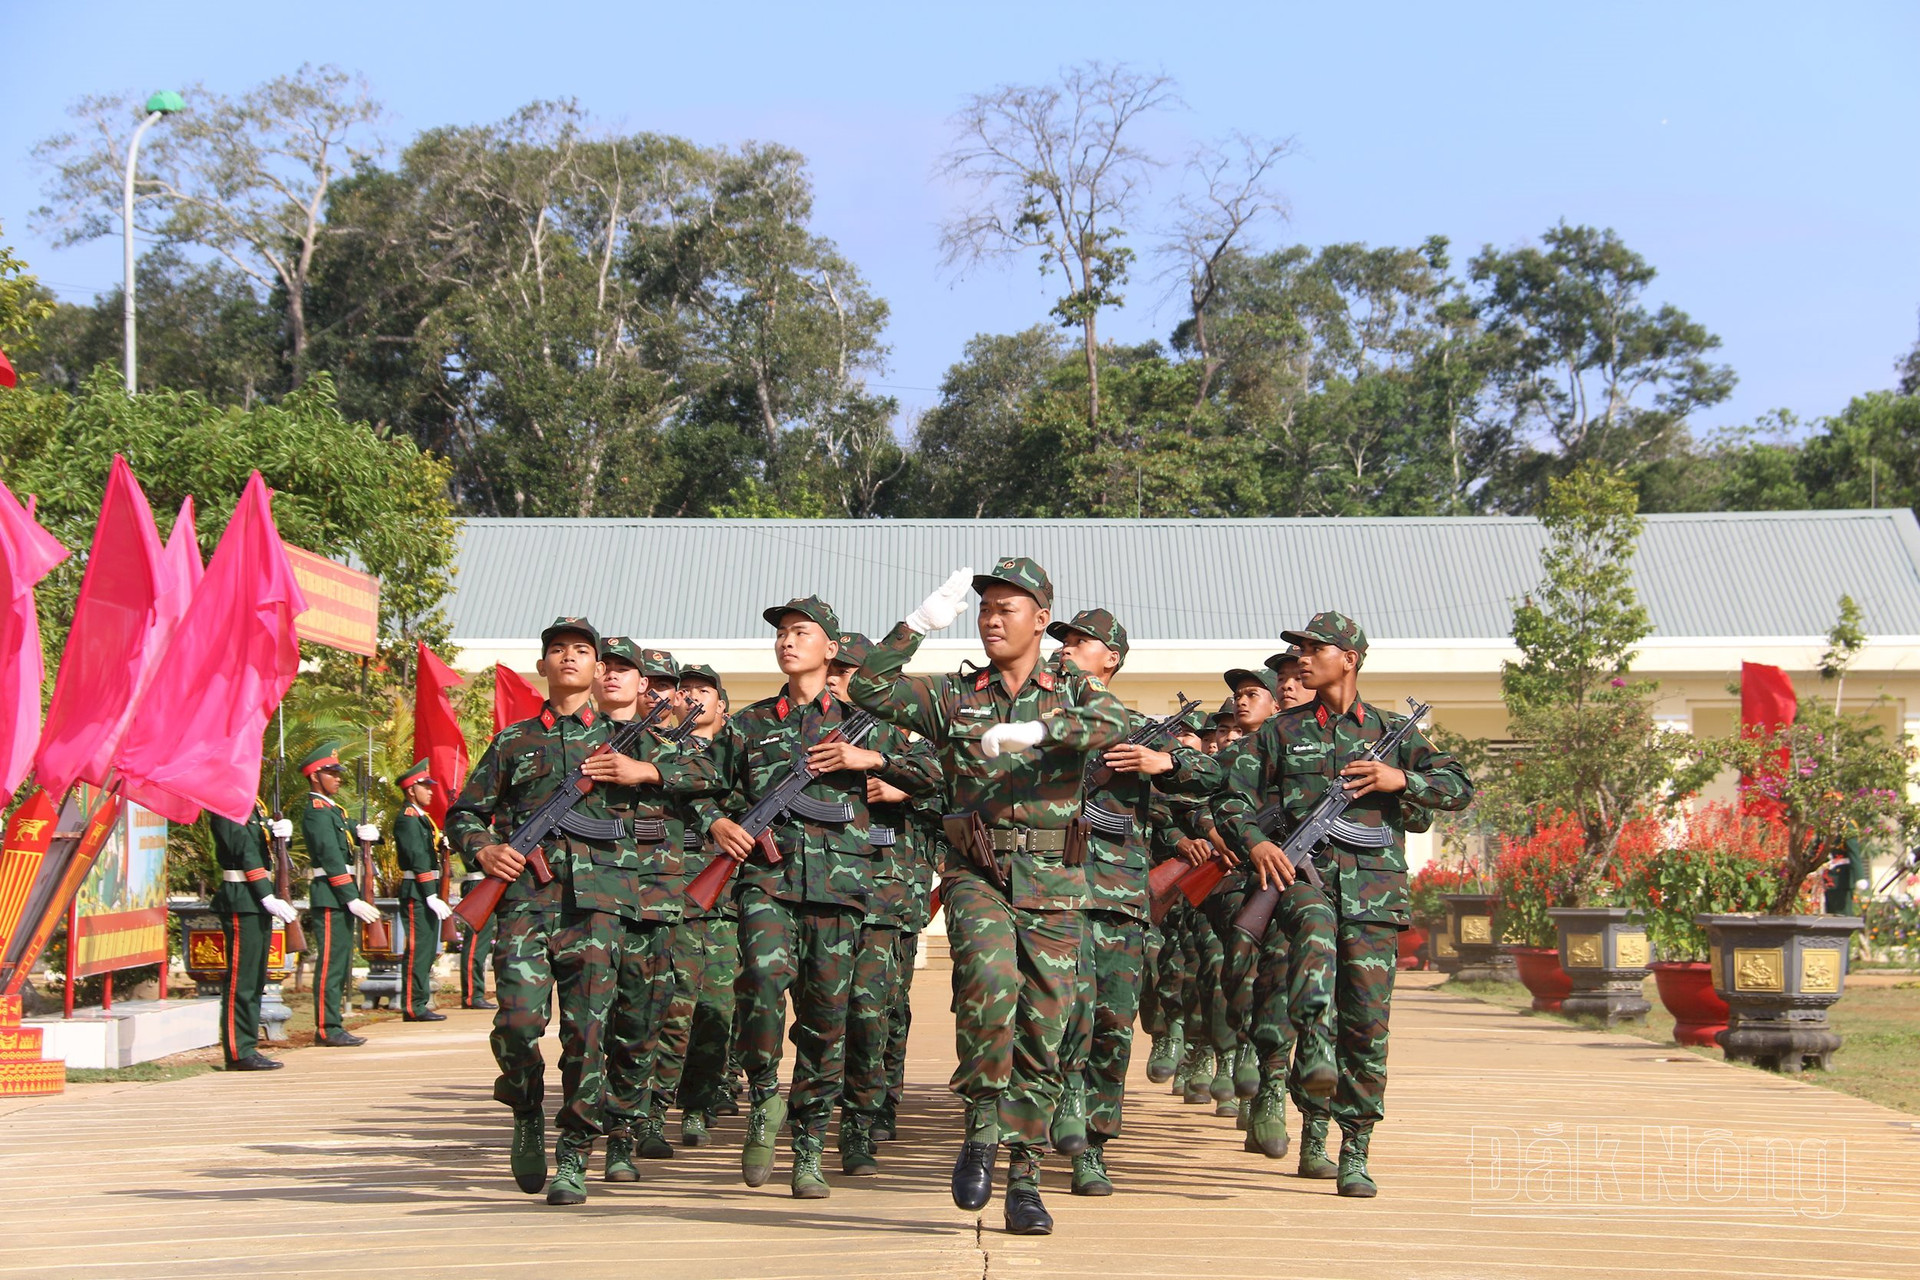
{"points": [[247, 908], [1299, 754], [1013, 739], [334, 898], [902, 773], [1099, 1042], [799, 918], [417, 848], [649, 791]]}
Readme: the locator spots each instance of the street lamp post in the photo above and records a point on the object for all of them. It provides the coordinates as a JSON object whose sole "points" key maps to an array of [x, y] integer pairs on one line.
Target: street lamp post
{"points": [[159, 106]]}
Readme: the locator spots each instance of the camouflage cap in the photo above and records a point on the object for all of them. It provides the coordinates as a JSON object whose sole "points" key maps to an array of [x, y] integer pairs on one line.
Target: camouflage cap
{"points": [[1022, 572], [621, 649], [701, 671], [855, 649], [1278, 662], [812, 607], [561, 626], [1099, 624], [1195, 721], [1265, 678], [1327, 627], [418, 775], [1226, 714], [658, 664]]}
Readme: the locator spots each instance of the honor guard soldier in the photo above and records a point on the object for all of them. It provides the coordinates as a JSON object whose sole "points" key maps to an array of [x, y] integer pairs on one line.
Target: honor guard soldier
{"points": [[247, 909], [800, 917], [1298, 755], [418, 846], [334, 897], [1013, 739], [1099, 1042]]}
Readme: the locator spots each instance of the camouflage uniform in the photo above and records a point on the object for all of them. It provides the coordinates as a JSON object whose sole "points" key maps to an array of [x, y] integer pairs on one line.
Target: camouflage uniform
{"points": [[799, 919], [928, 851], [1016, 950], [1293, 759]]}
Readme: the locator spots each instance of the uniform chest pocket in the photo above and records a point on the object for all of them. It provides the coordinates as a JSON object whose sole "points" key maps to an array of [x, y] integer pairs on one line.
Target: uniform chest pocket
{"points": [[529, 767], [1307, 763]]}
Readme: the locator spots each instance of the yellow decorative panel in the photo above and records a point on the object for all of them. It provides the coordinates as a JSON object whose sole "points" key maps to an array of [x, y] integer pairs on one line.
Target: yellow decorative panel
{"points": [[1820, 971], [1630, 951], [1759, 969], [1476, 929], [1443, 944], [1713, 964], [1583, 951]]}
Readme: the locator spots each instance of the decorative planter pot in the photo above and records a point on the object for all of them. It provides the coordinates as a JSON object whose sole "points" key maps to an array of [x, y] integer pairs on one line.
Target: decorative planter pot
{"points": [[204, 954], [1540, 972], [383, 967], [1411, 942], [1779, 975], [1606, 959], [1475, 939], [1441, 953], [1686, 989]]}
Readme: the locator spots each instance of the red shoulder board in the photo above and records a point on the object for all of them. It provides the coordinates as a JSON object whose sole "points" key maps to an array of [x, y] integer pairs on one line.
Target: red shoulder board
{"points": [[546, 718], [318, 803], [1320, 713], [781, 707], [980, 681], [1044, 679]]}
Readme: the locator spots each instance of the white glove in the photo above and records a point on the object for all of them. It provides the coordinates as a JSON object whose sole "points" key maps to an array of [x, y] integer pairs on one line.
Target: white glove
{"points": [[363, 911], [368, 832], [1024, 735], [440, 909], [281, 828], [279, 908], [938, 610]]}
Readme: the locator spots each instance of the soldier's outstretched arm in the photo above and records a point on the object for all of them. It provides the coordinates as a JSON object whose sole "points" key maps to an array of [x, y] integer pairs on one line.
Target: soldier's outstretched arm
{"points": [[1434, 778], [912, 702], [1245, 772], [1195, 774], [1094, 721], [686, 773], [470, 819], [912, 765]]}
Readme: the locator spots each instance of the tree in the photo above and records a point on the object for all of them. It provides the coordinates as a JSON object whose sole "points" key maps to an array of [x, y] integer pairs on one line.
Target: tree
{"points": [[247, 177], [1582, 368], [1053, 168], [979, 450], [24, 304], [1592, 748]]}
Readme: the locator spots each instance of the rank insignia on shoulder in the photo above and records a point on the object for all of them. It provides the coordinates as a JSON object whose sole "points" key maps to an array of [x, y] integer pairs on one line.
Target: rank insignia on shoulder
{"points": [[319, 803]]}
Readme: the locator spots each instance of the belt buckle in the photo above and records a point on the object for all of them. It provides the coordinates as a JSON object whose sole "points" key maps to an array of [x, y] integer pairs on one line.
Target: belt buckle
{"points": [[1023, 840]]}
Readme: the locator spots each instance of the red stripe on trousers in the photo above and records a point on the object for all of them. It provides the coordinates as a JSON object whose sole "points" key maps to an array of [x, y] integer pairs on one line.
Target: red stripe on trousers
{"points": [[412, 950], [233, 988], [326, 972]]}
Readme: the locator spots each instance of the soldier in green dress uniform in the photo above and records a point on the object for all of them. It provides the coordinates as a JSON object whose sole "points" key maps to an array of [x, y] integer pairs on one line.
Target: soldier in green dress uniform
{"points": [[247, 909], [335, 899], [417, 845]]}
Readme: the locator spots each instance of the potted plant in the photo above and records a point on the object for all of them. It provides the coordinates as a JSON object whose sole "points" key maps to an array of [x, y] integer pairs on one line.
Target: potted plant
{"points": [[1720, 860], [1529, 877], [1831, 778], [1601, 942], [1428, 889]]}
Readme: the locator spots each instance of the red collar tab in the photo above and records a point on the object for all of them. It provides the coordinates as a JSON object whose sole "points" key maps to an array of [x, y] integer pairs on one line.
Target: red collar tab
{"points": [[586, 716], [781, 707], [1320, 713], [980, 681], [547, 719], [826, 699], [1359, 711], [415, 811], [1044, 679]]}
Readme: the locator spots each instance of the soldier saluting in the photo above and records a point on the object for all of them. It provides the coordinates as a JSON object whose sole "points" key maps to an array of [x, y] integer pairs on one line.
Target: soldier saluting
{"points": [[334, 896], [1013, 740], [417, 843], [1297, 756]]}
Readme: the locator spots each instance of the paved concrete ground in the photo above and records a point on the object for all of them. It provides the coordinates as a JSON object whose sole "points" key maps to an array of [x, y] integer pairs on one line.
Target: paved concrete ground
{"points": [[1514, 1148]]}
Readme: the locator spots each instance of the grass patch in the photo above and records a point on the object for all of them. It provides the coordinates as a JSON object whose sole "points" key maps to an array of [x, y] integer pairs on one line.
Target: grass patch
{"points": [[1879, 1026], [138, 1073]]}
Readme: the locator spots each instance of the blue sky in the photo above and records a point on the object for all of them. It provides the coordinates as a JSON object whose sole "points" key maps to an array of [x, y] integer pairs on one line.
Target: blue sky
{"points": [[1761, 156]]}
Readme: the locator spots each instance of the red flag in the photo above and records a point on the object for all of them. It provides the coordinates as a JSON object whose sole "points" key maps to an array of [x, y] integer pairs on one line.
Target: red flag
{"points": [[27, 554], [7, 376], [1767, 706], [437, 738], [198, 735], [111, 642], [514, 699]]}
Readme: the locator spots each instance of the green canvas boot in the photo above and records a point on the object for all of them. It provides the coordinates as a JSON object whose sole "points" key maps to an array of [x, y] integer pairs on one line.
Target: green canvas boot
{"points": [[650, 1137], [529, 1154], [620, 1167], [888, 1124], [1198, 1088], [1246, 1072], [1164, 1061], [1313, 1149], [569, 1185], [1090, 1177], [763, 1127], [1220, 1087], [856, 1147], [1267, 1123], [808, 1182], [1354, 1179], [695, 1129], [1068, 1132]]}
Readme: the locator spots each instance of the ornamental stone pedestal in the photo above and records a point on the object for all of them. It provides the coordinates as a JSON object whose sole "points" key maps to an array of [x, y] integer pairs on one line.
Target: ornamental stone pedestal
{"points": [[1779, 975], [1606, 957], [1476, 941], [383, 967]]}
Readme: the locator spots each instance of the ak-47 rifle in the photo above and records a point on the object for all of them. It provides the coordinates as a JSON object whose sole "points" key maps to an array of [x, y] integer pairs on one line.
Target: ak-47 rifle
{"points": [[1324, 823], [295, 938], [556, 814], [783, 800], [1105, 822], [679, 734], [377, 937]]}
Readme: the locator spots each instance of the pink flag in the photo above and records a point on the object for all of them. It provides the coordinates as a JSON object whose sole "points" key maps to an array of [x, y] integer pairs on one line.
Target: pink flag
{"points": [[198, 734], [514, 699], [27, 554], [437, 736], [109, 643]]}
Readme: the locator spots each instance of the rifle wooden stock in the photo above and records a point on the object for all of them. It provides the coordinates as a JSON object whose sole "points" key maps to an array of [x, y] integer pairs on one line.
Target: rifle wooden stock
{"points": [[1203, 879], [449, 933], [477, 905], [1163, 882], [375, 935], [705, 889], [295, 936], [1258, 912]]}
